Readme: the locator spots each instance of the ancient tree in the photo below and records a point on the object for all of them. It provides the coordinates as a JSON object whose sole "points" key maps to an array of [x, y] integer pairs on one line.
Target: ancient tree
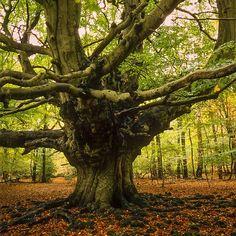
{"points": [[106, 122]]}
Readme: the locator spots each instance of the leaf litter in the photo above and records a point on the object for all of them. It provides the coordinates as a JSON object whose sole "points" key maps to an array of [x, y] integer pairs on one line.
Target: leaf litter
{"points": [[181, 207]]}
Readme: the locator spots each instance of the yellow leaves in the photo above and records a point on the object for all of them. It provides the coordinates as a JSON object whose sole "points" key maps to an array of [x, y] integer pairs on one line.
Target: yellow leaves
{"points": [[216, 89]]}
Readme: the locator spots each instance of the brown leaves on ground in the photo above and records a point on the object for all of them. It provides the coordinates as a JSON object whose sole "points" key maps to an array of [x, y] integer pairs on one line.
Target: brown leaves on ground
{"points": [[190, 207]]}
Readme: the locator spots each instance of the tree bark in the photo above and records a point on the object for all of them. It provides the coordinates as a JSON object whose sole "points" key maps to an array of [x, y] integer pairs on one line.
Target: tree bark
{"points": [[233, 158], [178, 169], [108, 184], [22, 138], [159, 158], [153, 160], [185, 164], [226, 30], [34, 171], [199, 170], [44, 178], [219, 166], [191, 151], [179, 160]]}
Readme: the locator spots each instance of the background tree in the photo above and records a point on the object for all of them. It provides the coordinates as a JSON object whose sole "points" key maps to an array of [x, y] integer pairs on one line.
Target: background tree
{"points": [[159, 158], [105, 119]]}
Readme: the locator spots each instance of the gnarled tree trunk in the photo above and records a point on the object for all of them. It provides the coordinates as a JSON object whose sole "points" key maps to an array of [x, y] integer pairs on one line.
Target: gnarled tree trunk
{"points": [[99, 144], [104, 157], [104, 126], [107, 183]]}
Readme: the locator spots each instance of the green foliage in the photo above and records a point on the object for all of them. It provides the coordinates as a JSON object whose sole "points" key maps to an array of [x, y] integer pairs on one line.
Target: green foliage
{"points": [[50, 166], [14, 163], [216, 147], [226, 53]]}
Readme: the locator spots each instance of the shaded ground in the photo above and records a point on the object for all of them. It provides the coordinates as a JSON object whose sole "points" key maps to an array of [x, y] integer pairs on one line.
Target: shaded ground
{"points": [[180, 208]]}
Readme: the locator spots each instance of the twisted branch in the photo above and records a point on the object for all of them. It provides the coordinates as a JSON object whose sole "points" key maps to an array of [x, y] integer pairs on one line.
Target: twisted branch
{"points": [[24, 139], [116, 29], [111, 95], [11, 45]]}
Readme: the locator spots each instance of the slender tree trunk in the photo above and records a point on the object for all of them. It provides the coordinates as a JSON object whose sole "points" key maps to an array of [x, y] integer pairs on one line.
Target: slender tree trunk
{"points": [[182, 143], [183, 146], [153, 160], [179, 160], [5, 167], [160, 158], [227, 169], [191, 151], [44, 178], [44, 156], [178, 169], [219, 166], [233, 158], [33, 166], [200, 150], [212, 170], [34, 172]]}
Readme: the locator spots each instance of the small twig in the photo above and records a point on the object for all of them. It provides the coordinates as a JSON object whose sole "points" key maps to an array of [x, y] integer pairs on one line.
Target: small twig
{"points": [[21, 109], [116, 29], [92, 43], [206, 18], [198, 22]]}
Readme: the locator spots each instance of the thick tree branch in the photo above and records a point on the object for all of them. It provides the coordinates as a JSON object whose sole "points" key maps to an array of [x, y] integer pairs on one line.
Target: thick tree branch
{"points": [[152, 121], [30, 25], [16, 74], [139, 32], [22, 139], [193, 100], [116, 29], [73, 77], [25, 47], [111, 95], [17, 80], [51, 89], [168, 101], [187, 80], [43, 142]]}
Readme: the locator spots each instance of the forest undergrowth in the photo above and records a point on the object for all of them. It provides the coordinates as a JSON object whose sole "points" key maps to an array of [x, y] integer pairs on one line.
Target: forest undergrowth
{"points": [[181, 207]]}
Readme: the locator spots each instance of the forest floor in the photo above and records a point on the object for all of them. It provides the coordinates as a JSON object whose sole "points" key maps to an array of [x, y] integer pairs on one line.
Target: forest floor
{"points": [[190, 207]]}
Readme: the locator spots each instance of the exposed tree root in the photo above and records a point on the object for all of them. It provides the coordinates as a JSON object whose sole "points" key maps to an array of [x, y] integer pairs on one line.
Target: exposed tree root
{"points": [[139, 200], [134, 217], [30, 217], [59, 209]]}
